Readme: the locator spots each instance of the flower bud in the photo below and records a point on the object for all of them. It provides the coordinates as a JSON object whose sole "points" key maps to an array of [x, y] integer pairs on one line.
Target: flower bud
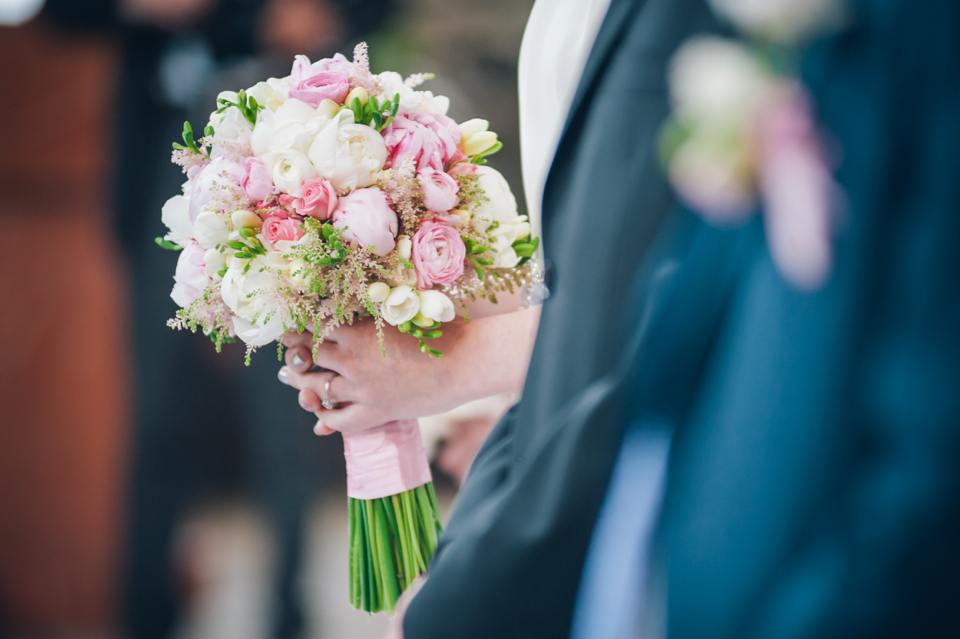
{"points": [[328, 108], [357, 92], [405, 247], [522, 229], [378, 292], [297, 274], [421, 321], [472, 127], [479, 142], [246, 220]]}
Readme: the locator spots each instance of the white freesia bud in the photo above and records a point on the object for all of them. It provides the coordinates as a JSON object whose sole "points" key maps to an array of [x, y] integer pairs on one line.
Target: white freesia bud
{"points": [[213, 262], [479, 142], [405, 247], [402, 305], [357, 92], [522, 227], [436, 307], [378, 292], [500, 205], [328, 109], [243, 219], [472, 127], [298, 275]]}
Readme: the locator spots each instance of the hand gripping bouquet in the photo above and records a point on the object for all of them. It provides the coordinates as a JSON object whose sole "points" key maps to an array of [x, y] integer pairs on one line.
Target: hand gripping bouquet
{"points": [[331, 195]]}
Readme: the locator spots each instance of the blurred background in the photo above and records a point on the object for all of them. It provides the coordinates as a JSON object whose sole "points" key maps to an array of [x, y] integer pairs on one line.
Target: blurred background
{"points": [[150, 488]]}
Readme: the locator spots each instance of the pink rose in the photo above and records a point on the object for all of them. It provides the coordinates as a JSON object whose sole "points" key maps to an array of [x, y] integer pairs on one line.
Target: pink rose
{"points": [[326, 85], [319, 199], [439, 190], [256, 180], [438, 254], [430, 139], [277, 229], [191, 276], [303, 69], [367, 217]]}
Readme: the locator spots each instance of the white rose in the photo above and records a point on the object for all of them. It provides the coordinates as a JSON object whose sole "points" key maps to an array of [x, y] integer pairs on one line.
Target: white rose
{"points": [[176, 215], [254, 300], [211, 229], [292, 126], [214, 261], [272, 93], [289, 169], [715, 79], [402, 305], [436, 307], [500, 206], [349, 155]]}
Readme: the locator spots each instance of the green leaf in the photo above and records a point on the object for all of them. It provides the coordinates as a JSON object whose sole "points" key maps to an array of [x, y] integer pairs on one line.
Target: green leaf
{"points": [[480, 248], [423, 346], [167, 244], [327, 231], [237, 246], [208, 130], [416, 332], [484, 261], [432, 335], [374, 104], [436, 353], [243, 255], [248, 233], [179, 147], [480, 271], [524, 250]]}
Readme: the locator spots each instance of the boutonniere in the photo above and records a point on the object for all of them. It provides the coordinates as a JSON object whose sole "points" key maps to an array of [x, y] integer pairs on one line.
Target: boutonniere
{"points": [[743, 136]]}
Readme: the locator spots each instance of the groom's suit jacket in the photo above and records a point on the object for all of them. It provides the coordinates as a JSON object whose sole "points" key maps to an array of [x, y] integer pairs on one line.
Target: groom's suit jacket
{"points": [[814, 489], [510, 560]]}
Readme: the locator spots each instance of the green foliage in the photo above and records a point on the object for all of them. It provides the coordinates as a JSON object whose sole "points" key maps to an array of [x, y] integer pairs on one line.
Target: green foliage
{"points": [[167, 244], [374, 113], [247, 104], [191, 142]]}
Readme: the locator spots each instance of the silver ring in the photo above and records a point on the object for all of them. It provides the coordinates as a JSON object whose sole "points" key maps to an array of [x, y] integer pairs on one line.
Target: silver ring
{"points": [[327, 402]]}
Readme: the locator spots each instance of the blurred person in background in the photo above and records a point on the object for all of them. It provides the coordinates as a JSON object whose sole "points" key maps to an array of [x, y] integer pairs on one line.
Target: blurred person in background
{"points": [[204, 426]]}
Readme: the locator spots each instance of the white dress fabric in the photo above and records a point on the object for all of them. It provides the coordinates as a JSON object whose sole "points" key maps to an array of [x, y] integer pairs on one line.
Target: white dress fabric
{"points": [[555, 48]]}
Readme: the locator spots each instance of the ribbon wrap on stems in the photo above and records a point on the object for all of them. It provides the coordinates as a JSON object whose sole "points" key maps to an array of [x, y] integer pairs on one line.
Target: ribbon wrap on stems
{"points": [[394, 519], [385, 460]]}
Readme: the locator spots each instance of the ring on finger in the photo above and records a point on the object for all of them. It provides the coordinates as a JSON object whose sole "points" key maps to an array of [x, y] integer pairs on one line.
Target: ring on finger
{"points": [[328, 403]]}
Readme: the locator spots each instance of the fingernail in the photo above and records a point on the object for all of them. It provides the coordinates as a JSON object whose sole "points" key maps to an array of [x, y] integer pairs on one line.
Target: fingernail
{"points": [[318, 429], [296, 359], [305, 406], [282, 376]]}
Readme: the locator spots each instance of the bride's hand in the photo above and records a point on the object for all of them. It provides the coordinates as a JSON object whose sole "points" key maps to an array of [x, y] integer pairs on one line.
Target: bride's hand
{"points": [[481, 358]]}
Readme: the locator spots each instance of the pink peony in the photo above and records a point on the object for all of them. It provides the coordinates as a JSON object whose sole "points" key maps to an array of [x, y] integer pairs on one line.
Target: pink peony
{"points": [[438, 254], [303, 69], [256, 180], [319, 199], [326, 85], [367, 217], [439, 190], [429, 138], [191, 276], [209, 183], [278, 228]]}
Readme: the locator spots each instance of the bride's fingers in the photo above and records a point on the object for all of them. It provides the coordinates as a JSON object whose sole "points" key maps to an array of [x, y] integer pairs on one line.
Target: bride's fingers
{"points": [[297, 339], [340, 390], [322, 429], [299, 358]]}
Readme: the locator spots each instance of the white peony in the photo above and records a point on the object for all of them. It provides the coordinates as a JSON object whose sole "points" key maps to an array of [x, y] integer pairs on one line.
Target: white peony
{"points": [[292, 126], [230, 124], [411, 100], [253, 297], [211, 229], [436, 307], [289, 169], [214, 261], [503, 238], [402, 305], [500, 206], [176, 215], [348, 155]]}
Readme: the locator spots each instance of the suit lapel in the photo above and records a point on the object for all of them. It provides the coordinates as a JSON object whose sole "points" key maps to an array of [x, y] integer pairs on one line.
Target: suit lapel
{"points": [[611, 30]]}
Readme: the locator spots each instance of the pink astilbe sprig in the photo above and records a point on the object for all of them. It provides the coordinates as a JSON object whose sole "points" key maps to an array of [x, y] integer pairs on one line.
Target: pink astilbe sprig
{"points": [[416, 79], [360, 75], [187, 159], [237, 150], [401, 186]]}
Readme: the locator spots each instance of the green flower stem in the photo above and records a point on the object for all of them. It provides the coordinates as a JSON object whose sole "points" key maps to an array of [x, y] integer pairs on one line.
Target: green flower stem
{"points": [[392, 540]]}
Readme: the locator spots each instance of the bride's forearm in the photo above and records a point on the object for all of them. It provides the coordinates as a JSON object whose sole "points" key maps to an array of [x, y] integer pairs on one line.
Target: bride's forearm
{"points": [[492, 354]]}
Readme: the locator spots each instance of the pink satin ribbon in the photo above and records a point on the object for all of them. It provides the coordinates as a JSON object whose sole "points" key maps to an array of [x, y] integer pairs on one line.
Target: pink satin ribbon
{"points": [[385, 460]]}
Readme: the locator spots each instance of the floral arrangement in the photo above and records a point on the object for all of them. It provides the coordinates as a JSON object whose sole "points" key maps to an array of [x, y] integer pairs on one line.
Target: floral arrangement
{"points": [[334, 194], [743, 134]]}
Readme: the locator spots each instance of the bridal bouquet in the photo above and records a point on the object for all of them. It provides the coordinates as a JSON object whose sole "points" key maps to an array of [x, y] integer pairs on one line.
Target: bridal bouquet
{"points": [[335, 194]]}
